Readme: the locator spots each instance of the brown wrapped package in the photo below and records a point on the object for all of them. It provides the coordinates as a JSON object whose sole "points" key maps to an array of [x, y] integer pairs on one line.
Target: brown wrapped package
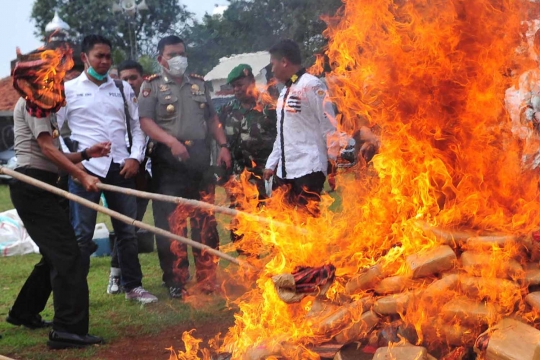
{"points": [[364, 280], [359, 329], [407, 352], [333, 322], [474, 263], [509, 340], [391, 304], [452, 335], [441, 286], [434, 261], [469, 312], [533, 299], [395, 284]]}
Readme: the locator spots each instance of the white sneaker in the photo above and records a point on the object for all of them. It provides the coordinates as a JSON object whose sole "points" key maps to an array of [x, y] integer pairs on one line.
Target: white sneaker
{"points": [[114, 286], [141, 295]]}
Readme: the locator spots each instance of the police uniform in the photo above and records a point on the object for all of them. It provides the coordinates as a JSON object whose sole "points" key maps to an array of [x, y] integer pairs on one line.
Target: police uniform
{"points": [[49, 226], [183, 111]]}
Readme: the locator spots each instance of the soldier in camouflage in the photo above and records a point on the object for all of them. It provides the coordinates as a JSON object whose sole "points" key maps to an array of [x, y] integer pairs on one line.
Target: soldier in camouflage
{"points": [[250, 127]]}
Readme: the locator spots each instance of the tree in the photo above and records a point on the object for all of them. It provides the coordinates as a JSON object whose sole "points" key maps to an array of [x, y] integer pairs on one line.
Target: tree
{"points": [[132, 35], [255, 25]]}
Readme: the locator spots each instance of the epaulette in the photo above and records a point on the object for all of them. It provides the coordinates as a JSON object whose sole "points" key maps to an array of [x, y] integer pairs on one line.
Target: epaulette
{"points": [[197, 76], [153, 77]]}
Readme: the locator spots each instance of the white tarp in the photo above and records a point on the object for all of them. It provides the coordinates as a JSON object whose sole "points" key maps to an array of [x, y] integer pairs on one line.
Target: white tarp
{"points": [[14, 240]]}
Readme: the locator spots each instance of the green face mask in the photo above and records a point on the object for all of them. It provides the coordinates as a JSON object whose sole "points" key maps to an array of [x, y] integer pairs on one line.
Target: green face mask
{"points": [[93, 73]]}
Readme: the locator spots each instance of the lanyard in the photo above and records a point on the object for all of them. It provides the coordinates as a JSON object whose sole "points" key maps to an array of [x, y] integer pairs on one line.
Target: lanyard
{"points": [[281, 136]]}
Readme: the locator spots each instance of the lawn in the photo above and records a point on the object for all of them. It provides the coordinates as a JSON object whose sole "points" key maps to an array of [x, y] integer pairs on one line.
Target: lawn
{"points": [[110, 316]]}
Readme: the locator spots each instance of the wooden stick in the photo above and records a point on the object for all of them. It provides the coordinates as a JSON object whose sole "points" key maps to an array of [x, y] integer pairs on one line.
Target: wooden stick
{"points": [[195, 203], [118, 216]]}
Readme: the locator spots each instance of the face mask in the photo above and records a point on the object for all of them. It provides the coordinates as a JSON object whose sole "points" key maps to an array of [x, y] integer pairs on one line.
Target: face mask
{"points": [[177, 65], [93, 73]]}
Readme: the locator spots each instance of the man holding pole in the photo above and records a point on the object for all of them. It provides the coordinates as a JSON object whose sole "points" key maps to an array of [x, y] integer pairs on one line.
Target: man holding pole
{"points": [[177, 114], [98, 109], [59, 271]]}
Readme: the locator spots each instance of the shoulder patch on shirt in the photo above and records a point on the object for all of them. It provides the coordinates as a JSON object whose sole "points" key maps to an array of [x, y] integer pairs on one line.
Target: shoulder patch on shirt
{"points": [[153, 77], [146, 92], [319, 90], [197, 76]]}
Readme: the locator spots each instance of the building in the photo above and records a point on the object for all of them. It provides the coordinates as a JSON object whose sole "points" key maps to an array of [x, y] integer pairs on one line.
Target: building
{"points": [[56, 32], [259, 62]]}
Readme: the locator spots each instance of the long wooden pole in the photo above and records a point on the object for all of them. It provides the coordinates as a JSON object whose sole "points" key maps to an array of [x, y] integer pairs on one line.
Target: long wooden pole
{"points": [[121, 217], [195, 203]]}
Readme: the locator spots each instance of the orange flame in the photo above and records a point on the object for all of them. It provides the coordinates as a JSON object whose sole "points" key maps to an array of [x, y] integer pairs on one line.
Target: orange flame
{"points": [[39, 76], [433, 76]]}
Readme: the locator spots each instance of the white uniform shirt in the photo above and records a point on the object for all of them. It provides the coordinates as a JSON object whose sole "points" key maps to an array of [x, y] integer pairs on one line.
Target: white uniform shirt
{"points": [[308, 124], [96, 114]]}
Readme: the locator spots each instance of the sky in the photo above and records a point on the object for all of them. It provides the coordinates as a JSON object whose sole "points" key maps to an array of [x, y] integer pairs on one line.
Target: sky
{"points": [[17, 28]]}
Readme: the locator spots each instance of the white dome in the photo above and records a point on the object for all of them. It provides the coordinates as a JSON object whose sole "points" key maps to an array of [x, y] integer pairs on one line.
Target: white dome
{"points": [[56, 24]]}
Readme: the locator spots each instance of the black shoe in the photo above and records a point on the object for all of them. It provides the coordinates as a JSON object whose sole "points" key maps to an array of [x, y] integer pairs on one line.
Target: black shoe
{"points": [[34, 322], [65, 340], [177, 292]]}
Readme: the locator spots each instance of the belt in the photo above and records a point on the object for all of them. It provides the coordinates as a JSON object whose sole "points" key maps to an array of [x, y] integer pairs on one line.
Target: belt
{"points": [[43, 175]]}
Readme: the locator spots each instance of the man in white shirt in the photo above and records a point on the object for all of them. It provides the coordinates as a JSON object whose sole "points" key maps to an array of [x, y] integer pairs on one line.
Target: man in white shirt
{"points": [[305, 129], [95, 113]]}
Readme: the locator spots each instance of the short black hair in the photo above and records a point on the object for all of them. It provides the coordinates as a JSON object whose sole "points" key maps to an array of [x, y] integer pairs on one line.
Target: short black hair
{"points": [[130, 64], [168, 40], [90, 41], [288, 49]]}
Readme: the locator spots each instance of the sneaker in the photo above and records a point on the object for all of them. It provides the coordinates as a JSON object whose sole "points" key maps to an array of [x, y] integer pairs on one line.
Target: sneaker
{"points": [[177, 292], [114, 286], [140, 295]]}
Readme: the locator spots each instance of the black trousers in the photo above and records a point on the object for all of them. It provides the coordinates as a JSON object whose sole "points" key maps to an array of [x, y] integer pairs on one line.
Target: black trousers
{"points": [[187, 180], [60, 269], [304, 192]]}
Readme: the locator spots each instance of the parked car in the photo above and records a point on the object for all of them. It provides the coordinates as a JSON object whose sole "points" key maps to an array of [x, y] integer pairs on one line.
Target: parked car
{"points": [[9, 160]]}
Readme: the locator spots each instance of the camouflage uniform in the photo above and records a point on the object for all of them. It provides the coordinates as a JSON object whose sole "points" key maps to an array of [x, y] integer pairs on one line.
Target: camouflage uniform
{"points": [[250, 134]]}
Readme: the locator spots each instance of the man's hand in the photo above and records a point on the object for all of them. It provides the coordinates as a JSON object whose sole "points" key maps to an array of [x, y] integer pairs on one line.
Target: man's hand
{"points": [[89, 182], [368, 151], [99, 150], [130, 168], [179, 150], [536, 117], [371, 143], [224, 157], [267, 174]]}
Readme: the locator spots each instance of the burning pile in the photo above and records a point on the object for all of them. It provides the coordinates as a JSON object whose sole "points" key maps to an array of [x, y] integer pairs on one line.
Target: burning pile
{"points": [[432, 245]]}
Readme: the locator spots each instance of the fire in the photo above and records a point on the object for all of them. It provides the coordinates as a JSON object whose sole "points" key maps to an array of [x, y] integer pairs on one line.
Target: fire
{"points": [[39, 76], [437, 232]]}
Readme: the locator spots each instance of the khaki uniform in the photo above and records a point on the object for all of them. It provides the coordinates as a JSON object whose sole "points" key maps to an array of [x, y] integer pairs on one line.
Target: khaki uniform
{"points": [[183, 111]]}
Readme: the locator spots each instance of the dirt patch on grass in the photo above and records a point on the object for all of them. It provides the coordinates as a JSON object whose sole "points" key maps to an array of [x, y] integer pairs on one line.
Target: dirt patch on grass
{"points": [[154, 346]]}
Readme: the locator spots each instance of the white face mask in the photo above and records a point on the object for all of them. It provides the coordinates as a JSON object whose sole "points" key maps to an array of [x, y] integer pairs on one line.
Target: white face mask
{"points": [[177, 65]]}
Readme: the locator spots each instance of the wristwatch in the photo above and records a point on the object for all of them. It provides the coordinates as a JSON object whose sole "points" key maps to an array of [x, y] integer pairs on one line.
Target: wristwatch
{"points": [[226, 146], [84, 154]]}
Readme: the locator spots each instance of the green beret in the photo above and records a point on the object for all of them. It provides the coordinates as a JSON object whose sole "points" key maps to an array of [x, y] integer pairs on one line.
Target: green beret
{"points": [[241, 71]]}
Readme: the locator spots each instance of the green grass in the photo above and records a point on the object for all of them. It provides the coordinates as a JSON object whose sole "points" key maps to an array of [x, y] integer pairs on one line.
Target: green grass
{"points": [[110, 316]]}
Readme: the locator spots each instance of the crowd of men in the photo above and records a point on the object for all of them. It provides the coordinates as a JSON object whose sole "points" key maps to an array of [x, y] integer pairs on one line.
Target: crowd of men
{"points": [[159, 133]]}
